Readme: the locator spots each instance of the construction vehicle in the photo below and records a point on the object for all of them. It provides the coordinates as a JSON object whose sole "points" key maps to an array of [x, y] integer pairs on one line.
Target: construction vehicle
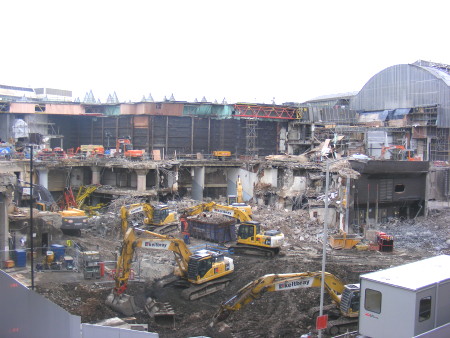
{"points": [[124, 147], [238, 199], [90, 264], [343, 312], [251, 240], [222, 154], [84, 192], [200, 273], [403, 154], [159, 218], [73, 219]]}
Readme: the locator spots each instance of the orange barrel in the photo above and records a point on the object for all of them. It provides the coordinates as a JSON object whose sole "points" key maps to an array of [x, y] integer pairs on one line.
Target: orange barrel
{"points": [[102, 268]]}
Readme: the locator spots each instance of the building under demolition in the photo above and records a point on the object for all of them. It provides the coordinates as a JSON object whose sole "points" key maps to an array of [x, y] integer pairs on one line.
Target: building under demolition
{"points": [[395, 132]]}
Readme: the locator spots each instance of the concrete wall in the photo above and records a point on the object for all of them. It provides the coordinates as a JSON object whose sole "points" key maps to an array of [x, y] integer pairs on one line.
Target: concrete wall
{"points": [[270, 176]]}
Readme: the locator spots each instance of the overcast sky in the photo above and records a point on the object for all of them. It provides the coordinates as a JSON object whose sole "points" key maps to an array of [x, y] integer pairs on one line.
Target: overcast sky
{"points": [[244, 50]]}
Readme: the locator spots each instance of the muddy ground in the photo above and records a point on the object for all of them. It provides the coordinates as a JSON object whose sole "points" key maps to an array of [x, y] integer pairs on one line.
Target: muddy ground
{"points": [[277, 314]]}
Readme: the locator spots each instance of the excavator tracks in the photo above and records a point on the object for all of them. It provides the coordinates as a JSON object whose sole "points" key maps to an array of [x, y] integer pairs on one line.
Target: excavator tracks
{"points": [[164, 229], [253, 251], [199, 291]]}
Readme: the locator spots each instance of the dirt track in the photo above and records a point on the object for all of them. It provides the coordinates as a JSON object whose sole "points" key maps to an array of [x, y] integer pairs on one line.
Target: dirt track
{"points": [[277, 314]]}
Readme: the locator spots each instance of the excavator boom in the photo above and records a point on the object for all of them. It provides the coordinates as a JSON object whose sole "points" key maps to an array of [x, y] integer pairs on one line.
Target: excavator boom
{"points": [[280, 282], [202, 269]]}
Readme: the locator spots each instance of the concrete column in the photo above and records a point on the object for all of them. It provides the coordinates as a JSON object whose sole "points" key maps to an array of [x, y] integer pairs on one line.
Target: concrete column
{"points": [[4, 228], [43, 177], [198, 182], [95, 175], [141, 179], [173, 180]]}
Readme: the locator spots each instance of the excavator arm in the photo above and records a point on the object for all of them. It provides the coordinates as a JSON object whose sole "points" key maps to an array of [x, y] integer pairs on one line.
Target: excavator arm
{"points": [[117, 299], [127, 210], [231, 211], [279, 282]]}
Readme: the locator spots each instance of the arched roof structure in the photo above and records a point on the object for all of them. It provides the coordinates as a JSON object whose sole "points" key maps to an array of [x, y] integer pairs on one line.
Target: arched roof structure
{"points": [[407, 86]]}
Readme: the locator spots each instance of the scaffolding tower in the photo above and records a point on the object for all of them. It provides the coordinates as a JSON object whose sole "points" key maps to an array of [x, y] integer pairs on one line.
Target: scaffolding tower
{"points": [[251, 137]]}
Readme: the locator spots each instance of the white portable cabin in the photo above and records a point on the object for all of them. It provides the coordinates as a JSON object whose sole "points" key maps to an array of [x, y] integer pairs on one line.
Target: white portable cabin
{"points": [[406, 300]]}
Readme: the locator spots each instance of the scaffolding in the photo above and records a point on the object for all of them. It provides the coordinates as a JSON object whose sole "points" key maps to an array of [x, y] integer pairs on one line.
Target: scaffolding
{"points": [[251, 137]]}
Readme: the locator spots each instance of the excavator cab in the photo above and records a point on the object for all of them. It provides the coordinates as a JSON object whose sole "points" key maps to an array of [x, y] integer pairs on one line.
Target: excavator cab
{"points": [[350, 300], [160, 213], [249, 230]]}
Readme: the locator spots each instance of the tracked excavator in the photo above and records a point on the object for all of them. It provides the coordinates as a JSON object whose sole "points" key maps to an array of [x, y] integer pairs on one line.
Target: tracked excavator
{"points": [[251, 240], [158, 218], [342, 313], [200, 273]]}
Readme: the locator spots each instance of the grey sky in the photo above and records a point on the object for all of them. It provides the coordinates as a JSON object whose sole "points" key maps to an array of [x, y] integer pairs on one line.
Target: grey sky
{"points": [[241, 50]]}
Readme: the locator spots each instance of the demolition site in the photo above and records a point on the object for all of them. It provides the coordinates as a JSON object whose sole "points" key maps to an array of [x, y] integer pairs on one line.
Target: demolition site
{"points": [[178, 219]]}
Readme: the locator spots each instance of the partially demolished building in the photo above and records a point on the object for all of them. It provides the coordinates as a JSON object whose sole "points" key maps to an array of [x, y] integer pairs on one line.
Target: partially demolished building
{"points": [[278, 151]]}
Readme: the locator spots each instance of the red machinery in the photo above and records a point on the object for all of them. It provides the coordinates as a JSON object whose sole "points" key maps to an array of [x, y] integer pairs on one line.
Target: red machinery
{"points": [[125, 148]]}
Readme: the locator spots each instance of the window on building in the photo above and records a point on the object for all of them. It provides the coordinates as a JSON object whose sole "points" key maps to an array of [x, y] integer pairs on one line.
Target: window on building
{"points": [[425, 309], [158, 106], [372, 300], [399, 188]]}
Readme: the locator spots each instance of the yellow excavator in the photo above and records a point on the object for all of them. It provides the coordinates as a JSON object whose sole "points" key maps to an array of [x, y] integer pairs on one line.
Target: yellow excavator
{"points": [[343, 312], [251, 240], [201, 272], [159, 218]]}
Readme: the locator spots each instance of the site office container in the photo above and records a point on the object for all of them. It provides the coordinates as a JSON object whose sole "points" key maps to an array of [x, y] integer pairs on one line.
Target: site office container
{"points": [[407, 300]]}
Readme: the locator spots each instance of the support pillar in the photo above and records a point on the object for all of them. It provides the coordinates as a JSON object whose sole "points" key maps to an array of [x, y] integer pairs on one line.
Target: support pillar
{"points": [[141, 179], [198, 183], [95, 175], [43, 177], [4, 228], [173, 179]]}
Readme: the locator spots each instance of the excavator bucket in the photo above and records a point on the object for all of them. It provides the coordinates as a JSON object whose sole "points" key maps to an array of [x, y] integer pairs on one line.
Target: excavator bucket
{"points": [[123, 304]]}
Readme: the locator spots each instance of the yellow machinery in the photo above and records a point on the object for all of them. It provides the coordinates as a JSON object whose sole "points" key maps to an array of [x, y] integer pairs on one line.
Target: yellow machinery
{"points": [[159, 218], [222, 154], [251, 239], [201, 271], [83, 193], [238, 199], [343, 312]]}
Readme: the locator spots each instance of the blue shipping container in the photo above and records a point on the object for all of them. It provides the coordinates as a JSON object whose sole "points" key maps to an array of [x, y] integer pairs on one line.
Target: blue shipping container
{"points": [[21, 258], [59, 251], [213, 232]]}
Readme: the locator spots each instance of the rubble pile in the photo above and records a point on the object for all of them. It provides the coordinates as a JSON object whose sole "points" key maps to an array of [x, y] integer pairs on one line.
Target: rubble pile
{"points": [[296, 225], [108, 224], [429, 234]]}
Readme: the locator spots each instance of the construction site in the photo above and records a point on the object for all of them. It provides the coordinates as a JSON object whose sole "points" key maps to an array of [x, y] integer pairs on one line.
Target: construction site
{"points": [[178, 219]]}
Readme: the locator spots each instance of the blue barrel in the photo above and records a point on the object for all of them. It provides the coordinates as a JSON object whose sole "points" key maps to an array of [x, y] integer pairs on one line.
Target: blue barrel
{"points": [[59, 251], [21, 258]]}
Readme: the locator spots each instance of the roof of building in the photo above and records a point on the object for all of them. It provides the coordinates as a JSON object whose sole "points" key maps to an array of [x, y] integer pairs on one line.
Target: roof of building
{"points": [[414, 276]]}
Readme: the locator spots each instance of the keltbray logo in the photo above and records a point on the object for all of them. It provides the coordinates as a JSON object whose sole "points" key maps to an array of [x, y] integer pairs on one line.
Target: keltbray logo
{"points": [[136, 209], [294, 284], [223, 212], [156, 244]]}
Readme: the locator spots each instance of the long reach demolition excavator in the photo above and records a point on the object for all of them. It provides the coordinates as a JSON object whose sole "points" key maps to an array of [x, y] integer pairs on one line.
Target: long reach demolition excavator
{"points": [[251, 239], [201, 272], [342, 313]]}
